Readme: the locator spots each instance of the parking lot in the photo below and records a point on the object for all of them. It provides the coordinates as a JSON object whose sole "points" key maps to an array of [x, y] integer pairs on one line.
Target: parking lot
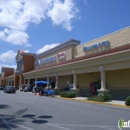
{"points": [[26, 111]]}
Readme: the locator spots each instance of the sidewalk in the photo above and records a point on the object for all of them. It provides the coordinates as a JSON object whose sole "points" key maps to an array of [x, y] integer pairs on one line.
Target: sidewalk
{"points": [[84, 99]]}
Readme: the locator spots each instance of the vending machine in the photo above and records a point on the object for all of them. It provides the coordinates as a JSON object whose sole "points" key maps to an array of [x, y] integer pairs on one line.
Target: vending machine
{"points": [[92, 88]]}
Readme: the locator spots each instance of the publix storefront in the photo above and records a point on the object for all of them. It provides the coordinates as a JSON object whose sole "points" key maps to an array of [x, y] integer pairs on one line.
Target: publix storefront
{"points": [[103, 63]]}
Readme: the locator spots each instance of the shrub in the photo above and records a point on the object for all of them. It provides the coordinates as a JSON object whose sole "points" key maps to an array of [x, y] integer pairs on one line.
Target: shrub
{"points": [[127, 101], [107, 97], [67, 94], [57, 92], [100, 98]]}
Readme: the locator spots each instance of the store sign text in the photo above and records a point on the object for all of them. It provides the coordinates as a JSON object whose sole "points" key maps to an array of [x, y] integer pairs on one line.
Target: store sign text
{"points": [[61, 55], [95, 46], [43, 61]]}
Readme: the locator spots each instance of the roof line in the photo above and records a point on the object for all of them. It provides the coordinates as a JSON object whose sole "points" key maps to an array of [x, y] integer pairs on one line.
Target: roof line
{"points": [[105, 35], [80, 59]]}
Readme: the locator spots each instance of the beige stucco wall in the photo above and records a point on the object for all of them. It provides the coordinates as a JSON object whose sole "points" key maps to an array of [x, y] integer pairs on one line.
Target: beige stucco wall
{"points": [[118, 78], [83, 80], [62, 81], [118, 83], [68, 56], [10, 78], [115, 39]]}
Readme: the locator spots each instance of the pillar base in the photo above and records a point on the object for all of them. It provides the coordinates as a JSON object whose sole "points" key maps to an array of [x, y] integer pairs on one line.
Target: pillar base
{"points": [[76, 91], [103, 91]]}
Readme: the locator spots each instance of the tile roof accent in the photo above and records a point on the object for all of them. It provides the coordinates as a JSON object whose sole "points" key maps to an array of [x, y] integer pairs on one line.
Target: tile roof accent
{"points": [[21, 51]]}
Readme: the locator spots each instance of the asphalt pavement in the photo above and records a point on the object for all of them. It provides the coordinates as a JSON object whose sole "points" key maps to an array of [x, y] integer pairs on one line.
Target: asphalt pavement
{"points": [[26, 111]]}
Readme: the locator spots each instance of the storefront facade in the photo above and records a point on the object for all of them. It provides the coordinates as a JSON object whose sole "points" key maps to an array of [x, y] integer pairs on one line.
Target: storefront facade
{"points": [[105, 60], [5, 72], [24, 63]]}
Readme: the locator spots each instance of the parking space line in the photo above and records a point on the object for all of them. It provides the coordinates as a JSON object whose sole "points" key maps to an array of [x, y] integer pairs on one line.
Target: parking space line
{"points": [[82, 125], [110, 128], [22, 126], [6, 123], [59, 127], [106, 127]]}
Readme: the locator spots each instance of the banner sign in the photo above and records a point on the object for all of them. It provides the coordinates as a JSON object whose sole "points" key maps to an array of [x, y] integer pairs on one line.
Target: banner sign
{"points": [[95, 46], [61, 55], [43, 61]]}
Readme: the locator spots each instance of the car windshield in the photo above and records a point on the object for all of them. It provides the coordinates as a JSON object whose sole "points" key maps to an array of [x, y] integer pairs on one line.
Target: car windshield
{"points": [[9, 87]]}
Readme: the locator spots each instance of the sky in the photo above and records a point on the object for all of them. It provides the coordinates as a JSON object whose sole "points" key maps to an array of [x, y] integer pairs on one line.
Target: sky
{"points": [[39, 25]]}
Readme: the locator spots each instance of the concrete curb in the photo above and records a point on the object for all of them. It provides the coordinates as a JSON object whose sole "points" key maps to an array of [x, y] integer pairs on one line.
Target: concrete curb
{"points": [[94, 102]]}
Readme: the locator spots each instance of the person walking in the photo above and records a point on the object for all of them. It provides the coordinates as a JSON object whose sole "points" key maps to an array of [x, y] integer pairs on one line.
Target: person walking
{"points": [[35, 90]]}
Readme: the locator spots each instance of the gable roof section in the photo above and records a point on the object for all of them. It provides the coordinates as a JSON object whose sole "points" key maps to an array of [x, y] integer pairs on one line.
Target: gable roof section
{"points": [[21, 52], [62, 45]]}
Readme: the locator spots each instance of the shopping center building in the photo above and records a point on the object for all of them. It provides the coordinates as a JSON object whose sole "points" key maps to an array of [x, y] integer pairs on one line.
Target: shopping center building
{"points": [[103, 62]]}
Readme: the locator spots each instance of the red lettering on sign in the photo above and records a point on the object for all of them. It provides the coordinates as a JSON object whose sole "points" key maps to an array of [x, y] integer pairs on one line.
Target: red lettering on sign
{"points": [[61, 55]]}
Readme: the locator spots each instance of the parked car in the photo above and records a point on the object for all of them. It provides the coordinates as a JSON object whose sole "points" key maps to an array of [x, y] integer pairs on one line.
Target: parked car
{"points": [[9, 89], [23, 86], [1, 88], [28, 88]]}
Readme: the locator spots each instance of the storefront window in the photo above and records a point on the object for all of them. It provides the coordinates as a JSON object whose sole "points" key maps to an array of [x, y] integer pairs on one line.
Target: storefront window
{"points": [[19, 65]]}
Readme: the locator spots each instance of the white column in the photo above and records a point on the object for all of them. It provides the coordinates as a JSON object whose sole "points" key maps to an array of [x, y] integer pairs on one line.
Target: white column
{"points": [[103, 89], [28, 81], [103, 86], [56, 83], [103, 79], [47, 79], [35, 81], [24, 81], [7, 83], [74, 80]]}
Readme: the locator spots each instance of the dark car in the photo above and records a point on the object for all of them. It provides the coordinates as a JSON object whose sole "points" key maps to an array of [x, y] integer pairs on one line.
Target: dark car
{"points": [[1, 88], [9, 89]]}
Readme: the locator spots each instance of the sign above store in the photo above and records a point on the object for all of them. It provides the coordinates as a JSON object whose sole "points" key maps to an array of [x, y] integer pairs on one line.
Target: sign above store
{"points": [[43, 61], [95, 46], [19, 57], [61, 55]]}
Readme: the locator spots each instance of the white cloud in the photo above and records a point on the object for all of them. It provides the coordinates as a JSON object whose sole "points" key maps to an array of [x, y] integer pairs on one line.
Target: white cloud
{"points": [[8, 56], [47, 47], [16, 15], [62, 13], [27, 51], [15, 37]]}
